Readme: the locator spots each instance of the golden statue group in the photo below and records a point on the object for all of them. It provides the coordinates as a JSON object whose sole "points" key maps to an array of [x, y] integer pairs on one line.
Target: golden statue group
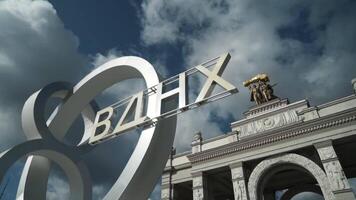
{"points": [[261, 90]]}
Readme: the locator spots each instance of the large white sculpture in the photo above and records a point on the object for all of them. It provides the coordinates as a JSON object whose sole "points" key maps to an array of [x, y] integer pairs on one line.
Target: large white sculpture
{"points": [[45, 137]]}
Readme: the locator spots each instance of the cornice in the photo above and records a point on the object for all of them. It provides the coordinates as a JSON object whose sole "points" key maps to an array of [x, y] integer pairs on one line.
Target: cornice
{"points": [[337, 101], [304, 128], [182, 154], [219, 137]]}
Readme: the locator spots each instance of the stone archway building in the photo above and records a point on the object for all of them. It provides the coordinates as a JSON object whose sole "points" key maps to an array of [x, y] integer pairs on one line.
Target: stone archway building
{"points": [[277, 148]]}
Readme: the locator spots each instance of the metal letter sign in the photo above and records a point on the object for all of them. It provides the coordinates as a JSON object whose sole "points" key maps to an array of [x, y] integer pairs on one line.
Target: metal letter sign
{"points": [[137, 180]]}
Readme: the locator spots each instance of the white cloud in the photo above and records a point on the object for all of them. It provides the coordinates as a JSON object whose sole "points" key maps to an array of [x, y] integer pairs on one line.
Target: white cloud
{"points": [[35, 49], [99, 59], [99, 191], [120, 90], [58, 188], [249, 31]]}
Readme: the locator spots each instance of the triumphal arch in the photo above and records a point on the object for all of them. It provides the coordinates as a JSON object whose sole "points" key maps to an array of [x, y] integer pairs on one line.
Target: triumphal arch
{"points": [[280, 149]]}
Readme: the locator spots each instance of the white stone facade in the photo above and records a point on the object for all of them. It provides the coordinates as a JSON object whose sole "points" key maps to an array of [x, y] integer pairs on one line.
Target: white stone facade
{"points": [[278, 146]]}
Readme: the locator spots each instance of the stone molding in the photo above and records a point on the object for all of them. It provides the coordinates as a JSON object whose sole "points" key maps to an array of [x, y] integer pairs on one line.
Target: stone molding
{"points": [[306, 110], [337, 101], [182, 154], [197, 182], [264, 166], [219, 137], [268, 106], [305, 128], [237, 173]]}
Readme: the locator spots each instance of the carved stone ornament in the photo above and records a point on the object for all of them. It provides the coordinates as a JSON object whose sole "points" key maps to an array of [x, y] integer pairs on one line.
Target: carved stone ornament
{"points": [[197, 181], [237, 172], [268, 123], [336, 175], [198, 194], [240, 190], [326, 153]]}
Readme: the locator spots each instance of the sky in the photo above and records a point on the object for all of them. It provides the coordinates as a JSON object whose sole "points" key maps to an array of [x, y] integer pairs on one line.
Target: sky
{"points": [[306, 47]]}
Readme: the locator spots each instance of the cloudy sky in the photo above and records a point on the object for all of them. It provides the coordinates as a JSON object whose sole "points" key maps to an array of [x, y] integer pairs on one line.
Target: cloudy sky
{"points": [[307, 47]]}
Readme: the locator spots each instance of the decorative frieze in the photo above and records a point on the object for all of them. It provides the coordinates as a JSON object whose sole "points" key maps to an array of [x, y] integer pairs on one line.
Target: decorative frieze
{"points": [[267, 123]]}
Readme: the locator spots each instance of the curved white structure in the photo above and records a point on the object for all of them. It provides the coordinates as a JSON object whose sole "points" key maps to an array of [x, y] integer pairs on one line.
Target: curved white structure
{"points": [[45, 138]]}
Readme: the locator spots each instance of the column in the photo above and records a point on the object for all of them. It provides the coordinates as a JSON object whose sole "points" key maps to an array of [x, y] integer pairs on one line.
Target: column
{"points": [[199, 186], [238, 181], [337, 179]]}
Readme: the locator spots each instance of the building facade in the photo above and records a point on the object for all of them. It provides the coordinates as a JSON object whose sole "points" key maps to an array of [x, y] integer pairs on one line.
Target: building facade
{"points": [[278, 147]]}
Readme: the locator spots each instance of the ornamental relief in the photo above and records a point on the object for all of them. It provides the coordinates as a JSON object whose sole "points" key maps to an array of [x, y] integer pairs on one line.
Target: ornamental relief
{"points": [[268, 123], [198, 194], [336, 175], [197, 181], [236, 173], [326, 153], [240, 190]]}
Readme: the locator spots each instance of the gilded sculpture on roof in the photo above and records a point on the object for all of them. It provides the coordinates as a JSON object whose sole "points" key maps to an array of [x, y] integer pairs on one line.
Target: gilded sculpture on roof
{"points": [[261, 90]]}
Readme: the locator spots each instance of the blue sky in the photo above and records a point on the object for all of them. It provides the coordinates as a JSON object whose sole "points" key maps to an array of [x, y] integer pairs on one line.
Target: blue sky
{"points": [[307, 47]]}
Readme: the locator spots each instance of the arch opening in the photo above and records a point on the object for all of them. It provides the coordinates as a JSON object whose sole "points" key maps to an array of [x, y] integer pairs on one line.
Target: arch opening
{"points": [[307, 191], [286, 172]]}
